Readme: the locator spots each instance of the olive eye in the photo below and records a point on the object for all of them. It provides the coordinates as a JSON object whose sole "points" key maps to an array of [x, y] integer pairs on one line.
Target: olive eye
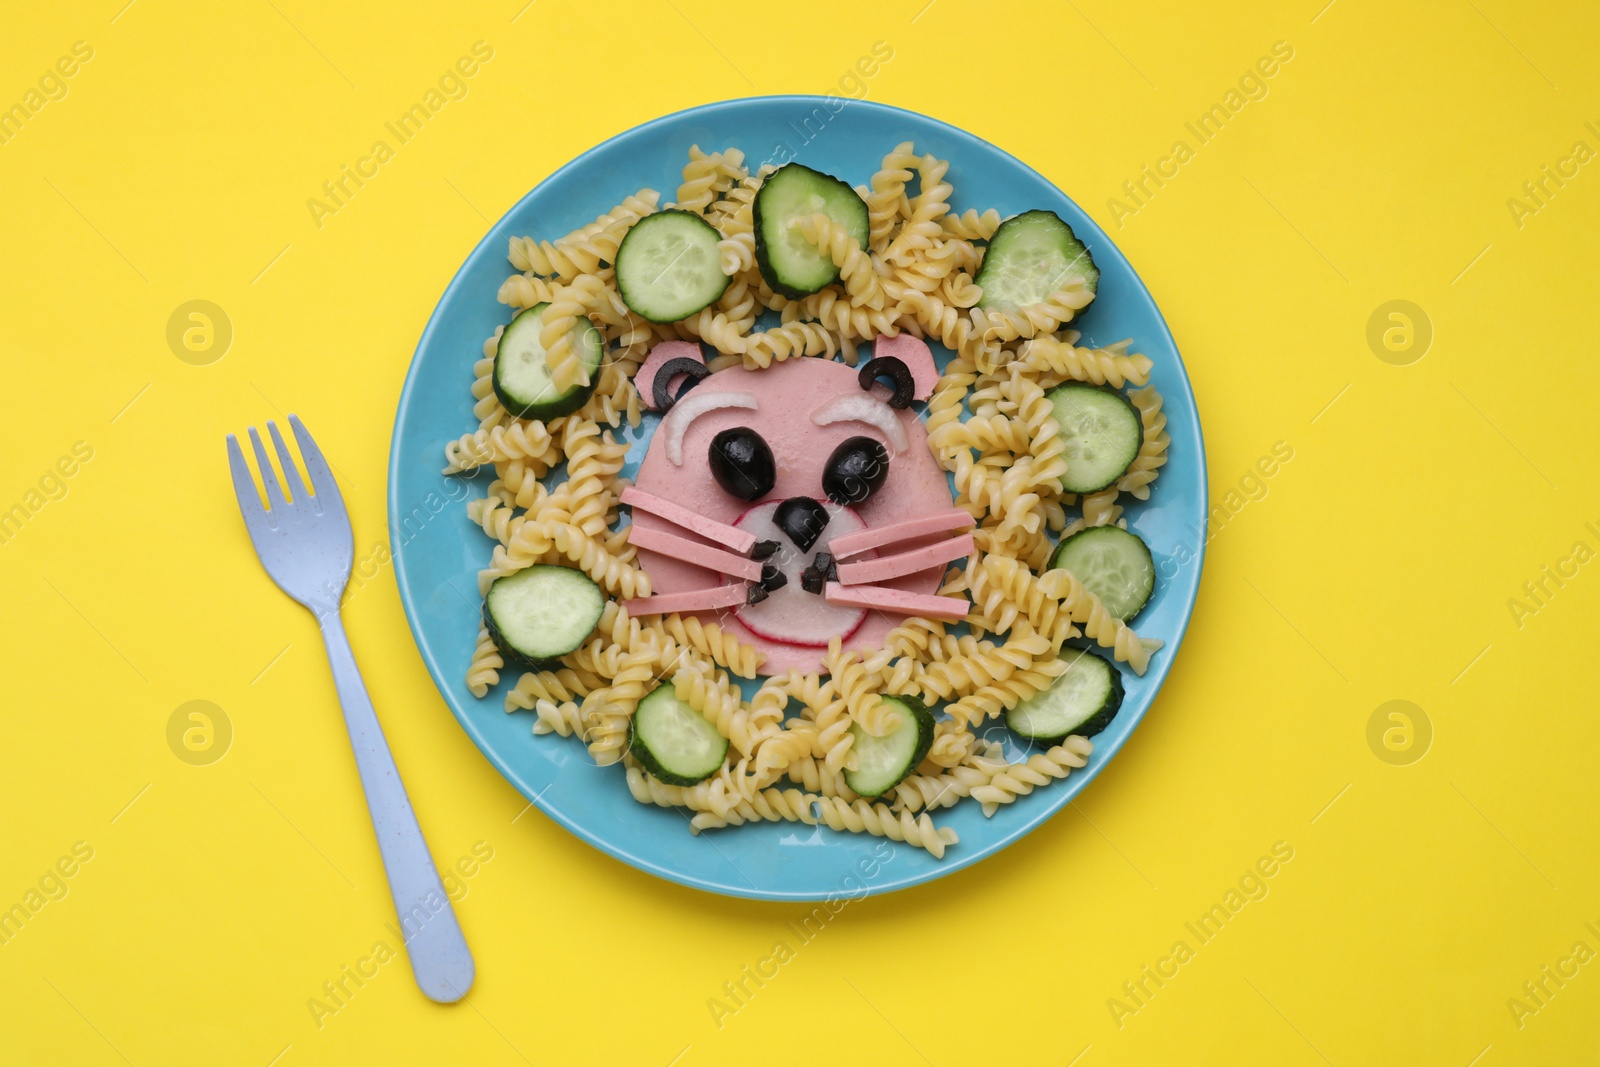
{"points": [[855, 470], [742, 463]]}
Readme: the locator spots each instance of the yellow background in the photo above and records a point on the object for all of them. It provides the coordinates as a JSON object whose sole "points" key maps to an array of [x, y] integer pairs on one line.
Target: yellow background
{"points": [[1378, 567]]}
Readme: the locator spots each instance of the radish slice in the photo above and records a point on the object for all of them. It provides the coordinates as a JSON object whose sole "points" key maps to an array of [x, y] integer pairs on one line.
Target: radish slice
{"points": [[709, 599], [915, 354], [736, 540], [860, 408], [715, 559], [899, 601], [869, 571], [894, 533], [699, 401], [790, 614], [645, 379]]}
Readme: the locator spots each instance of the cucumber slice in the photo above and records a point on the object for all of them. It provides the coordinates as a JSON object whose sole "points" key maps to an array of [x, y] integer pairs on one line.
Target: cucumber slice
{"points": [[883, 762], [668, 267], [541, 612], [1113, 564], [792, 265], [673, 741], [1029, 257], [1082, 701], [1103, 434], [522, 376]]}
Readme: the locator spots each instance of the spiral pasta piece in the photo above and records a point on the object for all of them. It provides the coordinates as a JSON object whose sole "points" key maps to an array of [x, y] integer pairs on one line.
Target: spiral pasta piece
{"points": [[854, 682], [970, 225], [1046, 444], [887, 196], [879, 820], [565, 719], [857, 273], [593, 462], [767, 347], [1100, 366], [707, 176], [483, 671], [519, 439], [582, 251], [913, 635], [924, 225], [1042, 768], [525, 291], [713, 695], [561, 686], [568, 304], [608, 711], [1058, 593], [1153, 451], [834, 743], [767, 805], [1034, 319], [930, 792], [538, 542], [834, 310], [720, 646]]}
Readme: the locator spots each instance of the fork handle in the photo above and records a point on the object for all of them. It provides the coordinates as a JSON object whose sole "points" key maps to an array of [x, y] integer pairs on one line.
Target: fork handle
{"points": [[440, 959]]}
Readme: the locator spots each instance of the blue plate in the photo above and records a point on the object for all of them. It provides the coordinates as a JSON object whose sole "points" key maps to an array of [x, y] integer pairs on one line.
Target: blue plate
{"points": [[438, 550]]}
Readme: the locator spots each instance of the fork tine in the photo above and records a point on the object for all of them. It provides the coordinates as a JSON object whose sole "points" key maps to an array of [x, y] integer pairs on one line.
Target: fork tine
{"points": [[291, 473], [270, 480], [243, 487], [321, 477]]}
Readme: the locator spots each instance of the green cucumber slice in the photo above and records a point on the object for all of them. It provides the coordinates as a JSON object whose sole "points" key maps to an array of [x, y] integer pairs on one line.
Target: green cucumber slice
{"points": [[790, 264], [668, 267], [522, 374], [1113, 564], [673, 741], [541, 613], [1029, 257], [883, 762], [1082, 701], [1102, 431]]}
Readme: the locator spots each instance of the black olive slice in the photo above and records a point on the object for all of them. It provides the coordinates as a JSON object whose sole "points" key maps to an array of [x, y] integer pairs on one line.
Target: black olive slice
{"points": [[802, 520], [741, 462], [772, 578], [660, 387], [812, 581], [764, 549], [893, 368], [823, 563], [755, 594], [855, 470]]}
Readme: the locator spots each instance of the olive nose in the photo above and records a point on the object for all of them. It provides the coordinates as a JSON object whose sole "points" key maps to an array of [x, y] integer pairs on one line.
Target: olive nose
{"points": [[802, 520]]}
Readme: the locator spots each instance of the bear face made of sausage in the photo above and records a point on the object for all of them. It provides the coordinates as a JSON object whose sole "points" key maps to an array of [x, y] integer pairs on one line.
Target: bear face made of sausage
{"points": [[796, 457]]}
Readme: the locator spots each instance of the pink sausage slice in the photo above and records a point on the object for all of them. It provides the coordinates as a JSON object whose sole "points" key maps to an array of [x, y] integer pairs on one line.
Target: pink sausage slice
{"points": [[895, 532], [670, 544], [897, 601], [736, 539], [645, 379], [717, 596], [869, 571], [915, 354]]}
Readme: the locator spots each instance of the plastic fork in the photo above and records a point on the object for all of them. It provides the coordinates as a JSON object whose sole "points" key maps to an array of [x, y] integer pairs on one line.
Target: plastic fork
{"points": [[305, 544]]}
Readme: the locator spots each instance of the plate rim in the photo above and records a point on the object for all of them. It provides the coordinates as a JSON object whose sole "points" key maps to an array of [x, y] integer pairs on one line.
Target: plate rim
{"points": [[1059, 797]]}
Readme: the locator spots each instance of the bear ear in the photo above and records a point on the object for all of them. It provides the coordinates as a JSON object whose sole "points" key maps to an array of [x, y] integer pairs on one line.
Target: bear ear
{"points": [[890, 369], [665, 352], [914, 353]]}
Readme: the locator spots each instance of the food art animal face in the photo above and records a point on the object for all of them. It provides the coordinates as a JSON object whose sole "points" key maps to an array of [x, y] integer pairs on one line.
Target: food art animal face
{"points": [[797, 454]]}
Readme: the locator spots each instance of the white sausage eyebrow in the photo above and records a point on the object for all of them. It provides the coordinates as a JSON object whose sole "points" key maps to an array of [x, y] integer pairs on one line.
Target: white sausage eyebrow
{"points": [[867, 409], [692, 406]]}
